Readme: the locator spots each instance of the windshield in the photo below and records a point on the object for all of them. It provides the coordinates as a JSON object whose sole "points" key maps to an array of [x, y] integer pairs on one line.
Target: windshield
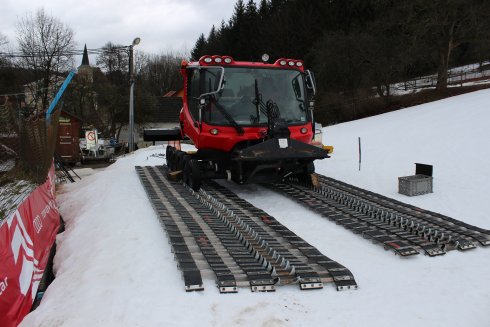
{"points": [[247, 93]]}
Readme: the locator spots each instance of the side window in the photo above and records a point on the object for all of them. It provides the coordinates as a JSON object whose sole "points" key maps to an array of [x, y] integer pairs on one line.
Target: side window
{"points": [[210, 79], [194, 92]]}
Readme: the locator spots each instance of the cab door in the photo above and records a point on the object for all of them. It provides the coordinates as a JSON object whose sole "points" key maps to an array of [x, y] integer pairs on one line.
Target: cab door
{"points": [[191, 113]]}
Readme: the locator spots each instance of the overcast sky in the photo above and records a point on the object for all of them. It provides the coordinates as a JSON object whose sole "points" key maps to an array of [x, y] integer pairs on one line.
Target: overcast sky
{"points": [[162, 25]]}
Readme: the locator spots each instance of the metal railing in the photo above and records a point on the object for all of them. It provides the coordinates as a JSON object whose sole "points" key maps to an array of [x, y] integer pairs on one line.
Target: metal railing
{"points": [[474, 73]]}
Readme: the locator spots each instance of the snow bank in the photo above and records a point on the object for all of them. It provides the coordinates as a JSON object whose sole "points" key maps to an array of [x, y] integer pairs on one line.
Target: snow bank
{"points": [[114, 266]]}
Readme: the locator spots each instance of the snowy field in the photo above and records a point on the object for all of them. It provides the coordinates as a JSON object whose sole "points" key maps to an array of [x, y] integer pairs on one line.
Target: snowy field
{"points": [[114, 266]]}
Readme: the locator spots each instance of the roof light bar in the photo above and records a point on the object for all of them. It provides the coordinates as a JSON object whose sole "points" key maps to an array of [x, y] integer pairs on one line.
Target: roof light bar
{"points": [[216, 60], [281, 62], [289, 62]]}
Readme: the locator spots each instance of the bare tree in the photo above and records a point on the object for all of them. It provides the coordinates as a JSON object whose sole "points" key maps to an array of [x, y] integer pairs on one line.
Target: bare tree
{"points": [[46, 45], [440, 26], [114, 58], [155, 75], [161, 73], [3, 40], [3, 52]]}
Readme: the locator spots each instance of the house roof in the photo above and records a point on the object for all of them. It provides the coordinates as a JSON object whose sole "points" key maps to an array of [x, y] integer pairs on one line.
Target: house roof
{"points": [[70, 114], [178, 93], [169, 94]]}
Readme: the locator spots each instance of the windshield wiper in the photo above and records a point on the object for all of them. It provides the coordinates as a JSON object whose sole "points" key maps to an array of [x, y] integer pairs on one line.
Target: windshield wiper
{"points": [[259, 104], [228, 117], [270, 109]]}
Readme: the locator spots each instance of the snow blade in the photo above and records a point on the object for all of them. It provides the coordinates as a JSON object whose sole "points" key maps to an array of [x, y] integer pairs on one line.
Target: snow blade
{"points": [[162, 134], [280, 149]]}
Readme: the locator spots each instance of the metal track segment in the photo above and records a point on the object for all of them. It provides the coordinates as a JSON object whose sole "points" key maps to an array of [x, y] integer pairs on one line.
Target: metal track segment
{"points": [[254, 239], [215, 231], [257, 273], [306, 261], [221, 264], [435, 230], [288, 271], [441, 226], [233, 265], [168, 217], [255, 266], [403, 206], [372, 229], [429, 231], [399, 228]]}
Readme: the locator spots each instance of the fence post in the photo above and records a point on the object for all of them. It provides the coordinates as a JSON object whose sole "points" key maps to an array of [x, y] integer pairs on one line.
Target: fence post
{"points": [[360, 153]]}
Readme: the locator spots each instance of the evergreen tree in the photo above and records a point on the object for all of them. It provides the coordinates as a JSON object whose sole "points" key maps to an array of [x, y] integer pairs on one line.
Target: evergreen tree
{"points": [[357, 46], [251, 32], [199, 47], [264, 11], [212, 46], [235, 40]]}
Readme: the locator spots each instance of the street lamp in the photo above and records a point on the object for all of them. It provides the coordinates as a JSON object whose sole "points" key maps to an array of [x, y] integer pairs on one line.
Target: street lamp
{"points": [[136, 41]]}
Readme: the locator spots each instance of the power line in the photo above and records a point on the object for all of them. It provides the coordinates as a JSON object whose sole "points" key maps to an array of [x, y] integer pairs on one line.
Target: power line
{"points": [[33, 54]]}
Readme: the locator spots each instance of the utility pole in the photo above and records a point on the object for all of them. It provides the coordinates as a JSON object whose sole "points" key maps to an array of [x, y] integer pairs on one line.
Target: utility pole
{"points": [[136, 41]]}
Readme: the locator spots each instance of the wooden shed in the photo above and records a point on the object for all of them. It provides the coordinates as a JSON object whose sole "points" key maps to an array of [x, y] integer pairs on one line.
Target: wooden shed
{"points": [[68, 140]]}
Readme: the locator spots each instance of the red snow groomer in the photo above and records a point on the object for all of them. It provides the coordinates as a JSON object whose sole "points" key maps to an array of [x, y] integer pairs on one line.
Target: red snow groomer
{"points": [[251, 122]]}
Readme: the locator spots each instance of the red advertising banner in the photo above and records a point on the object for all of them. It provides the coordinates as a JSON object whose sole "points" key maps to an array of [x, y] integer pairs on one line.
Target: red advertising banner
{"points": [[26, 238]]}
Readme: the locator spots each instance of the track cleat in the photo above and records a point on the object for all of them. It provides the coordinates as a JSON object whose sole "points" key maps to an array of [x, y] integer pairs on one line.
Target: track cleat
{"points": [[400, 248], [309, 280], [344, 285], [466, 245], [192, 280], [484, 240], [433, 250], [226, 283], [261, 283]]}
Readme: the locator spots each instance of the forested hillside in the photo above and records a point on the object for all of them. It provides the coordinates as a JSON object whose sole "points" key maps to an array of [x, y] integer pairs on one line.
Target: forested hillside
{"points": [[356, 48]]}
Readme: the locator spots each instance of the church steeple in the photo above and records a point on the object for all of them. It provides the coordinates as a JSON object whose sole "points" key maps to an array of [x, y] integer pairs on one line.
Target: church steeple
{"points": [[85, 57], [84, 70]]}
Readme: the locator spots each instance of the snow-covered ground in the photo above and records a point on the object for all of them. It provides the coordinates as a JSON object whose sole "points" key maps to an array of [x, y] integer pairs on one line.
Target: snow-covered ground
{"points": [[114, 266]]}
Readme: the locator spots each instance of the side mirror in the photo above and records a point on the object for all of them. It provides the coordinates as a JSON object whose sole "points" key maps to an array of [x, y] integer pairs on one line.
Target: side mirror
{"points": [[202, 104], [310, 82], [215, 81]]}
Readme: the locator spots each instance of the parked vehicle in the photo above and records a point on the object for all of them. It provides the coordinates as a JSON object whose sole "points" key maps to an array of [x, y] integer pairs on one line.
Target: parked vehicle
{"points": [[250, 121]]}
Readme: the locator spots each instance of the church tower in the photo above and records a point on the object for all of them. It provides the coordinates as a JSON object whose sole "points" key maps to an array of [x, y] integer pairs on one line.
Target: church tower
{"points": [[84, 70]]}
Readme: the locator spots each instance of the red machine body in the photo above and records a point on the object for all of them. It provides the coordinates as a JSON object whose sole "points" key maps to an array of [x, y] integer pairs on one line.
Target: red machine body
{"points": [[227, 137], [250, 121]]}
